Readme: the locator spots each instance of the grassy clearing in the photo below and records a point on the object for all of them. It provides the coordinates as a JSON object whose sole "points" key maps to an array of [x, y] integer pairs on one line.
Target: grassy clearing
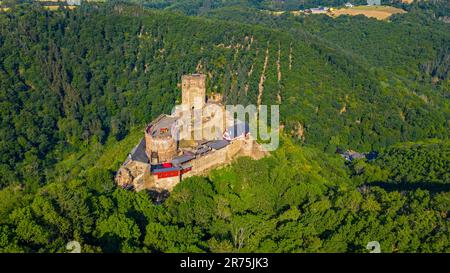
{"points": [[378, 12]]}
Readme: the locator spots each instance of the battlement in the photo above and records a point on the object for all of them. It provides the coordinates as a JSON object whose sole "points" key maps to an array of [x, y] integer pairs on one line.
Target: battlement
{"points": [[165, 156]]}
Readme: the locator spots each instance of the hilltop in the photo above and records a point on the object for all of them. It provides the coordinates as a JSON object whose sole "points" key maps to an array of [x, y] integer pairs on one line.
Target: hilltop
{"points": [[78, 87]]}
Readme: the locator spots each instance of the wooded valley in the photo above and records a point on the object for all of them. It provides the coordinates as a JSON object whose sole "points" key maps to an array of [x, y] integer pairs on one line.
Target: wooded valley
{"points": [[78, 86]]}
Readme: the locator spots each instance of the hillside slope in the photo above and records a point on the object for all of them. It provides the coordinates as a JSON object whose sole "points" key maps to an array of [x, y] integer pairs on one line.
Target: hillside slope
{"points": [[72, 78], [297, 200], [77, 88]]}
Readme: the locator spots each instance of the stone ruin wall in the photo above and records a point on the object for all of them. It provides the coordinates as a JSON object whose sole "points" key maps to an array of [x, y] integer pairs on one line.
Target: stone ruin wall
{"points": [[234, 148], [148, 143], [165, 183], [143, 181], [136, 168], [241, 147], [138, 173], [165, 147], [192, 87], [202, 164], [134, 173], [123, 177]]}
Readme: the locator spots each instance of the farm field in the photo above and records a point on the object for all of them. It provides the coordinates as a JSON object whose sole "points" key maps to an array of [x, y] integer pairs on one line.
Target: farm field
{"points": [[378, 12], [56, 7]]}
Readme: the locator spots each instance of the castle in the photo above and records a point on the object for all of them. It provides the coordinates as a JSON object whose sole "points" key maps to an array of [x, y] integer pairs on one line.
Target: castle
{"points": [[200, 135]]}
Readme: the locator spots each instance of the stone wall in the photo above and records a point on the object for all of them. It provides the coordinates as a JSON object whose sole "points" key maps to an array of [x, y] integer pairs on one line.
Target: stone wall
{"points": [[136, 168], [166, 183], [207, 162], [124, 177], [166, 147], [138, 174], [193, 89], [234, 148], [214, 159], [133, 173]]}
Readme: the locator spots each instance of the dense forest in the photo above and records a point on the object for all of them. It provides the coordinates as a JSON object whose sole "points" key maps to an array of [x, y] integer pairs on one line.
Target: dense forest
{"points": [[78, 86], [439, 8], [199, 7], [297, 200]]}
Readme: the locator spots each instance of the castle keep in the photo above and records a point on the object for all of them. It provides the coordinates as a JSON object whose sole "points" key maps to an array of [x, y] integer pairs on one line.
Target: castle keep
{"points": [[193, 90], [200, 135]]}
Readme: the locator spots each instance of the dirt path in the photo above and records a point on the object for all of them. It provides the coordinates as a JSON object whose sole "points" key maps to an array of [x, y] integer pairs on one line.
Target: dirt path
{"points": [[249, 74], [263, 77], [279, 74], [290, 57]]}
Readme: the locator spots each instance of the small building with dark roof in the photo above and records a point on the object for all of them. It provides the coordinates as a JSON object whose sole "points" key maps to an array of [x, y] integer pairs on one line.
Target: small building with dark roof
{"points": [[138, 153], [182, 159], [218, 144]]}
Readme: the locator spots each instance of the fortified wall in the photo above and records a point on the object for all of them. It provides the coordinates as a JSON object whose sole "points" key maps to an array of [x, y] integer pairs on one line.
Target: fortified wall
{"points": [[193, 90], [167, 154]]}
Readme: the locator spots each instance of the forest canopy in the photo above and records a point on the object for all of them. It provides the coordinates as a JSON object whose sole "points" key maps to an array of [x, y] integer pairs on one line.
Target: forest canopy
{"points": [[78, 86]]}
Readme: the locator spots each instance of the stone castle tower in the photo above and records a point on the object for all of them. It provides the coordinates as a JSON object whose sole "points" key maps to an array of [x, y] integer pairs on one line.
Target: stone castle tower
{"points": [[193, 90]]}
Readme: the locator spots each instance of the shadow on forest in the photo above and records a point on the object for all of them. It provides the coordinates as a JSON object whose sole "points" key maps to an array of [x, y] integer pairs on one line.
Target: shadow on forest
{"points": [[112, 243], [158, 197], [432, 187]]}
